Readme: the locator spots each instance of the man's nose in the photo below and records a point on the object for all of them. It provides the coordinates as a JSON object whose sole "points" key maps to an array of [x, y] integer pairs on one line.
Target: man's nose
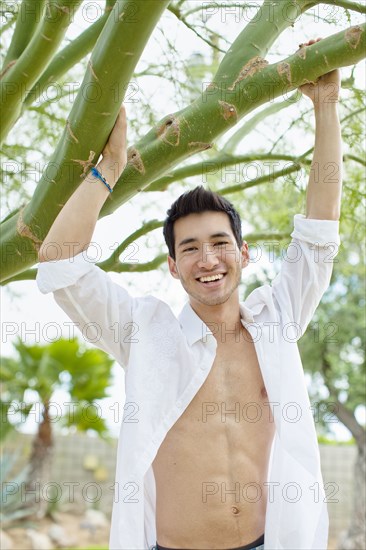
{"points": [[209, 257]]}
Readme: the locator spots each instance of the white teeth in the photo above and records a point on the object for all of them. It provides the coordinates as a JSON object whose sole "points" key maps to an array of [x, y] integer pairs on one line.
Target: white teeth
{"points": [[211, 278]]}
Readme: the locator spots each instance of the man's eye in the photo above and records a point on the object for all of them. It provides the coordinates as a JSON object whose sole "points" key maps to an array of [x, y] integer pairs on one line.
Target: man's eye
{"points": [[189, 249], [221, 243]]}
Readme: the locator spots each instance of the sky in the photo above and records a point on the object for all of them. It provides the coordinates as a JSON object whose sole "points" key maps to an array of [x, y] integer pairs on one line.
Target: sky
{"points": [[36, 317]]}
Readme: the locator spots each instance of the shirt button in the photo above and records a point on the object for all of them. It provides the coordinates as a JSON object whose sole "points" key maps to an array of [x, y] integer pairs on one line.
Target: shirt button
{"points": [[179, 404], [203, 366]]}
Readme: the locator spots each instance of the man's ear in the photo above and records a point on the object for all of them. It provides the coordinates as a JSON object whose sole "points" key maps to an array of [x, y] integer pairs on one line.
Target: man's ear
{"points": [[245, 258], [173, 267]]}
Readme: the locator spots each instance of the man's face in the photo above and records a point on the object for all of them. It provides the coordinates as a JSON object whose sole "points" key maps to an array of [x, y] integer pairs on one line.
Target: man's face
{"points": [[205, 246]]}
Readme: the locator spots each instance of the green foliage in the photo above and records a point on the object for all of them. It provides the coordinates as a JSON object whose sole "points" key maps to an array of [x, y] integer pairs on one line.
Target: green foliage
{"points": [[333, 346], [84, 373], [323, 440]]}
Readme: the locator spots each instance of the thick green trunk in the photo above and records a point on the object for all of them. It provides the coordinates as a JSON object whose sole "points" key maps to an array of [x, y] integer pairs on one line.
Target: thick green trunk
{"points": [[67, 58], [30, 12]]}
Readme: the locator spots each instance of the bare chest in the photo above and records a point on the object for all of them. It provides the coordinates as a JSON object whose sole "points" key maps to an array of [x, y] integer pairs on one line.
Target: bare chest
{"points": [[235, 382], [233, 395]]}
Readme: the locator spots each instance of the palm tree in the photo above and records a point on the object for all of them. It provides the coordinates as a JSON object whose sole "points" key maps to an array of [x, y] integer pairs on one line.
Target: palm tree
{"points": [[84, 373]]}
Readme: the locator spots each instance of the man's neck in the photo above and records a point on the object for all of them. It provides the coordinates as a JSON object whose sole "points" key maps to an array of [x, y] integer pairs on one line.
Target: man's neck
{"points": [[219, 318]]}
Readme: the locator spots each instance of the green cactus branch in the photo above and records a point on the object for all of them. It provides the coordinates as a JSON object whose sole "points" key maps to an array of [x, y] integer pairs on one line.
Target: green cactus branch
{"points": [[119, 267], [112, 263], [261, 179], [217, 164], [67, 58], [355, 159], [125, 33], [261, 82], [225, 159], [30, 12], [140, 267], [214, 6], [177, 12], [24, 73], [113, 260], [254, 42], [177, 136], [346, 4], [353, 113]]}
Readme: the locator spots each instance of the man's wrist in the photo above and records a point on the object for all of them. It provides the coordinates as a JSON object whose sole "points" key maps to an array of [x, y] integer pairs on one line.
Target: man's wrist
{"points": [[326, 108], [110, 169]]}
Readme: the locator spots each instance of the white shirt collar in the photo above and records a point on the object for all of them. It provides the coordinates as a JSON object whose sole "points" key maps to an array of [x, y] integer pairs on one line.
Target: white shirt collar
{"points": [[195, 329]]}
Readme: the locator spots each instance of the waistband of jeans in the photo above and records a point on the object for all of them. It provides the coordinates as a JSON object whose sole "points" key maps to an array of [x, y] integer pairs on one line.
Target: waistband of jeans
{"points": [[251, 546]]}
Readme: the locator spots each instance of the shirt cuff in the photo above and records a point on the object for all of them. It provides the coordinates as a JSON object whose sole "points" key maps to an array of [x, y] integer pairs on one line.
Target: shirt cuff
{"points": [[58, 274], [321, 232]]}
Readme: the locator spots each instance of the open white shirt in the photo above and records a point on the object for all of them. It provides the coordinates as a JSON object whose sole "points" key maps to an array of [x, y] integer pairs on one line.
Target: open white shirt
{"points": [[167, 359]]}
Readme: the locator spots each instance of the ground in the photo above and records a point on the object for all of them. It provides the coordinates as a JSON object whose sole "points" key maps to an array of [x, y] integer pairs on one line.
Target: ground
{"points": [[82, 537]]}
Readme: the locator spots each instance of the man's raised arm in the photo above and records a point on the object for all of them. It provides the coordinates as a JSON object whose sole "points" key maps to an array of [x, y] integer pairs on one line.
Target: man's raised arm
{"points": [[306, 271], [76, 221], [324, 190]]}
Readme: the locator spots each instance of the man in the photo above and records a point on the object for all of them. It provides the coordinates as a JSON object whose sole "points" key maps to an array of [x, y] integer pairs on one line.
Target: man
{"points": [[218, 448]]}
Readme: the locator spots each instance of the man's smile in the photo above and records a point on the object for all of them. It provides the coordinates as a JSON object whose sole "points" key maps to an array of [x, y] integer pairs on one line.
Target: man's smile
{"points": [[211, 281]]}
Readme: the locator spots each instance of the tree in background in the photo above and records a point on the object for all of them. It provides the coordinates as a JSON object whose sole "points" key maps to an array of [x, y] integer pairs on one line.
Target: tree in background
{"points": [[243, 81], [29, 382], [333, 350]]}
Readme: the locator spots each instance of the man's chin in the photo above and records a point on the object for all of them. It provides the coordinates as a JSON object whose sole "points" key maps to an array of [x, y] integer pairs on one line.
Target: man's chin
{"points": [[211, 301]]}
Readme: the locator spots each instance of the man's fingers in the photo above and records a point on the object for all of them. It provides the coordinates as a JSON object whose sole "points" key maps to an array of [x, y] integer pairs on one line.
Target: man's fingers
{"points": [[120, 127], [122, 112], [117, 140], [121, 117]]}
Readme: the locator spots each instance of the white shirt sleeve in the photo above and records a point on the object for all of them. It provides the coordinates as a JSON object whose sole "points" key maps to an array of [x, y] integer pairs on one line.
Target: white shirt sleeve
{"points": [[100, 308], [306, 270]]}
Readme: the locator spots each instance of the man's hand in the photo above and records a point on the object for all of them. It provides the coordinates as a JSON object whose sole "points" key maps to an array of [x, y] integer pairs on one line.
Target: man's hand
{"points": [[115, 150], [326, 88]]}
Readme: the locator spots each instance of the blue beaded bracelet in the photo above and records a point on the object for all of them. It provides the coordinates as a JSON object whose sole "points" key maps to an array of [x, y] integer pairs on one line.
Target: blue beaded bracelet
{"points": [[98, 175]]}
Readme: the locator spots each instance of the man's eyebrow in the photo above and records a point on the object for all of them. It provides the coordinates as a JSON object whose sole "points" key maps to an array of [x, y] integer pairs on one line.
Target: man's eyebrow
{"points": [[221, 234], [186, 241], [194, 239]]}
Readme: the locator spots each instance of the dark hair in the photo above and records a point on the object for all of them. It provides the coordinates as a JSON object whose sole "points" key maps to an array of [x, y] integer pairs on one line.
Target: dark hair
{"points": [[196, 201]]}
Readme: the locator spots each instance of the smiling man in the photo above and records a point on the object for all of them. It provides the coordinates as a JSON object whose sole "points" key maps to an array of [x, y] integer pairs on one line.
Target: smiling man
{"points": [[218, 448], [203, 261]]}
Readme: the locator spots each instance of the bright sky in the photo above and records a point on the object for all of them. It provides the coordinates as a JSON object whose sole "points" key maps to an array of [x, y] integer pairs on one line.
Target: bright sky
{"points": [[36, 317]]}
